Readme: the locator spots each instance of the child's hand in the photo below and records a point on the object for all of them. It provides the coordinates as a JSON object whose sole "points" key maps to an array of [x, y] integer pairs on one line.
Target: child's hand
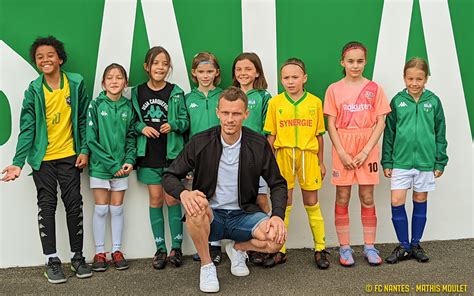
{"points": [[360, 158], [387, 173], [165, 128], [347, 161], [127, 168], [438, 173], [82, 161], [150, 132], [119, 173], [323, 170], [190, 176], [11, 172]]}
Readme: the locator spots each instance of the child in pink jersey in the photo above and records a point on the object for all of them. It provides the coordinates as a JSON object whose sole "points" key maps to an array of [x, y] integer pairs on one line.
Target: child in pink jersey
{"points": [[355, 108]]}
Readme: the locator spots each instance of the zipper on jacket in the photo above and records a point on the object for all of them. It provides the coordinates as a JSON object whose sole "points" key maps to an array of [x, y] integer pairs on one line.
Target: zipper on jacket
{"points": [[238, 174], [416, 131], [114, 135]]}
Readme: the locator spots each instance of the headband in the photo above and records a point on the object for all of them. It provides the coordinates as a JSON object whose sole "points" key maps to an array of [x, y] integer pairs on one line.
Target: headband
{"points": [[355, 46], [293, 63]]}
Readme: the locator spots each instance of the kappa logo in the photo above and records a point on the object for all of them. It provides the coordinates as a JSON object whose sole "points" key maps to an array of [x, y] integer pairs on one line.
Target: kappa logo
{"points": [[91, 123], [402, 104], [312, 111], [179, 237], [103, 113], [193, 105], [159, 240]]}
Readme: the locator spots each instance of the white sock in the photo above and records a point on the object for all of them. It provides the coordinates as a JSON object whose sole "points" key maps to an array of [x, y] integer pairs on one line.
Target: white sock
{"points": [[50, 256], [116, 214], [98, 226], [207, 265]]}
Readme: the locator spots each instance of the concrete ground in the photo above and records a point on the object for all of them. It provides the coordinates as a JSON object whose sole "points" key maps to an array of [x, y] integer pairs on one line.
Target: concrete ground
{"points": [[449, 270]]}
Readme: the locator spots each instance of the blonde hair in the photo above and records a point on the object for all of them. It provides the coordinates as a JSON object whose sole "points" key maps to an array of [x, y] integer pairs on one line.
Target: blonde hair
{"points": [[417, 63]]}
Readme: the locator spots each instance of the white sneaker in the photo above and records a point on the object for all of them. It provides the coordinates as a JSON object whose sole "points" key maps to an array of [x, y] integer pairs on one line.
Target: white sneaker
{"points": [[238, 266], [208, 281]]}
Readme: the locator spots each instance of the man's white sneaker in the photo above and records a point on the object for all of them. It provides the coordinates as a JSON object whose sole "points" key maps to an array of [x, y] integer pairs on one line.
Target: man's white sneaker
{"points": [[208, 281], [238, 266]]}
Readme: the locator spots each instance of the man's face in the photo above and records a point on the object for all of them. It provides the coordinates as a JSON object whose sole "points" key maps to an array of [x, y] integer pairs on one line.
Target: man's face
{"points": [[231, 114]]}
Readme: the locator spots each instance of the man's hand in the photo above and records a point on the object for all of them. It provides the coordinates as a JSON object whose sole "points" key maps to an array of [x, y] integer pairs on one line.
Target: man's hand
{"points": [[194, 202], [387, 173], [11, 172], [150, 132], [438, 173], [82, 161], [276, 230]]}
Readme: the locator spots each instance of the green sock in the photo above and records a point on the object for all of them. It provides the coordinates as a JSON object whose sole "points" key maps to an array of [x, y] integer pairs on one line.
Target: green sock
{"points": [[176, 226], [158, 228]]}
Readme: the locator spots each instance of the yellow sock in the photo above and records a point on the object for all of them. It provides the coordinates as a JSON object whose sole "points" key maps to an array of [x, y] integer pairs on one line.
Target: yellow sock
{"points": [[316, 223], [287, 222]]}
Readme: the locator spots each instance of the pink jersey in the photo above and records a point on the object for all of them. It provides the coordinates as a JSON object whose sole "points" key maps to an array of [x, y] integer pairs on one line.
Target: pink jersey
{"points": [[355, 107]]}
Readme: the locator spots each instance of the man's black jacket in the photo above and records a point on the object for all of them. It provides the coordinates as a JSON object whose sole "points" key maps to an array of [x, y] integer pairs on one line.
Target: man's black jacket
{"points": [[202, 154]]}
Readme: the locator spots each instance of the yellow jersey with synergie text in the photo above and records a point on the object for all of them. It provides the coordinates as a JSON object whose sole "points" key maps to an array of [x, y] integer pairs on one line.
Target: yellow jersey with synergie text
{"points": [[58, 121], [295, 123]]}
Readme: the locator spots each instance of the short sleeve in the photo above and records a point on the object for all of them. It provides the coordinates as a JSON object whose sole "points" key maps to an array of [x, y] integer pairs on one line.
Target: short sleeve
{"points": [[382, 106], [270, 120], [330, 107], [320, 128]]}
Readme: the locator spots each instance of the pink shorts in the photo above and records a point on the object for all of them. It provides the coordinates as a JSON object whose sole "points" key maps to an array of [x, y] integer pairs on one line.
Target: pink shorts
{"points": [[353, 141]]}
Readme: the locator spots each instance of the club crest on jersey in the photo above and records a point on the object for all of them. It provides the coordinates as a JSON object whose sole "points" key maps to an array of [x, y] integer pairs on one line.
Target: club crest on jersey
{"points": [[251, 104], [175, 98], [427, 107], [280, 110], [68, 100], [312, 111], [124, 115], [336, 174], [369, 95]]}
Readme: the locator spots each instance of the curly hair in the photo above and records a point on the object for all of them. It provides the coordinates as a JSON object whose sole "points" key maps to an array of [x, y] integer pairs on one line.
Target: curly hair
{"points": [[51, 41]]}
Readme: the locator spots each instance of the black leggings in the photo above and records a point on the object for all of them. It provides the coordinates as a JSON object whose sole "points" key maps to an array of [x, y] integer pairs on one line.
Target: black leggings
{"points": [[64, 172]]}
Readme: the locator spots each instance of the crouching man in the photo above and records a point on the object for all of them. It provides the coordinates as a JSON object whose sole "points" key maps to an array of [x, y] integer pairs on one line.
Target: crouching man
{"points": [[228, 161]]}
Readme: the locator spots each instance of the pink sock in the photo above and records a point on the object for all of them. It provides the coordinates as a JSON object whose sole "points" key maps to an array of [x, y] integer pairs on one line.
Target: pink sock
{"points": [[341, 219], [369, 224]]}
